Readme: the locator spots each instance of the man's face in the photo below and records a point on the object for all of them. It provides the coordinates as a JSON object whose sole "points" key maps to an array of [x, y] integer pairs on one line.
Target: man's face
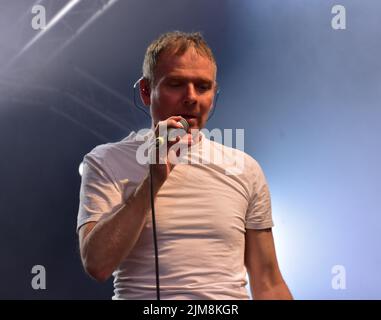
{"points": [[184, 85]]}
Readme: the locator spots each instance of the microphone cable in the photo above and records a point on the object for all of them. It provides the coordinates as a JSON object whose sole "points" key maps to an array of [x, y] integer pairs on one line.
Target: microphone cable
{"points": [[157, 143], [154, 234]]}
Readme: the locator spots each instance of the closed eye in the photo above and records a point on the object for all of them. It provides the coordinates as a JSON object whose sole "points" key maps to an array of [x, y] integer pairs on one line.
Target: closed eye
{"points": [[204, 86], [175, 84]]}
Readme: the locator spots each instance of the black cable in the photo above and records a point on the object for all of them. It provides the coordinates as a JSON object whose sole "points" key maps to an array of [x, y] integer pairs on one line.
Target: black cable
{"points": [[136, 102], [154, 236]]}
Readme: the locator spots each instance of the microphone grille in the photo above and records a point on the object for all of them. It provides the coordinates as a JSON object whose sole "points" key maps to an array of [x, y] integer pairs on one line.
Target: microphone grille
{"points": [[184, 123]]}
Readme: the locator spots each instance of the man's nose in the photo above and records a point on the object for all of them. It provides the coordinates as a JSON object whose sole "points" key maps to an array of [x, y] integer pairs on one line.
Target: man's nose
{"points": [[190, 94]]}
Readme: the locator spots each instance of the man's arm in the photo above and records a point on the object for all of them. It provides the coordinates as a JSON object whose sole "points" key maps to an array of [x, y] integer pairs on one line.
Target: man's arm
{"points": [[266, 281], [104, 244]]}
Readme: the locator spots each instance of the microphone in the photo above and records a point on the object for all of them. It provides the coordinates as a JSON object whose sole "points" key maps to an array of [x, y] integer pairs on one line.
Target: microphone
{"points": [[170, 132]]}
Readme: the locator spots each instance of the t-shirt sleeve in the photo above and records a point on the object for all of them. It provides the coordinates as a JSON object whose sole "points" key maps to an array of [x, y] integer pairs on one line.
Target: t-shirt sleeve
{"points": [[258, 215], [99, 194]]}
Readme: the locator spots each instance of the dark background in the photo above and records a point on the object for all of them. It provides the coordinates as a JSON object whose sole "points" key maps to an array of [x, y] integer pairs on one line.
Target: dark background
{"points": [[307, 96]]}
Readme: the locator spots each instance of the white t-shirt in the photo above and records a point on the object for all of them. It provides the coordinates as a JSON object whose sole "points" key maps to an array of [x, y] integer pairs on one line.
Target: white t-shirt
{"points": [[202, 212]]}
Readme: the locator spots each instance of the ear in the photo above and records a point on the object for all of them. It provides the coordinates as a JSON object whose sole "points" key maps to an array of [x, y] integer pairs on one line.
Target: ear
{"points": [[145, 91]]}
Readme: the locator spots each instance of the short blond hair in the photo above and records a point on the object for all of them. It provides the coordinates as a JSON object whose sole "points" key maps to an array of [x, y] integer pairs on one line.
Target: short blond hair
{"points": [[178, 42]]}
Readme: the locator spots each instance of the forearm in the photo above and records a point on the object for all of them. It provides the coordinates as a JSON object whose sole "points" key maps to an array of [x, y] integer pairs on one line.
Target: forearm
{"points": [[114, 236], [278, 291]]}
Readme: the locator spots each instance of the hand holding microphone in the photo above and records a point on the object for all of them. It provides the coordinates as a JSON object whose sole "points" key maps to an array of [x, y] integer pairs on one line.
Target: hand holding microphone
{"points": [[168, 132], [172, 131]]}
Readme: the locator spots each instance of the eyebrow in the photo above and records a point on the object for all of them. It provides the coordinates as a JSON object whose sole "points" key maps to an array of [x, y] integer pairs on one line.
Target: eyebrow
{"points": [[199, 79]]}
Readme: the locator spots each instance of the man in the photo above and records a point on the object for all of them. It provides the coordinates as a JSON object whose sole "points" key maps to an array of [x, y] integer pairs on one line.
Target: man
{"points": [[211, 227]]}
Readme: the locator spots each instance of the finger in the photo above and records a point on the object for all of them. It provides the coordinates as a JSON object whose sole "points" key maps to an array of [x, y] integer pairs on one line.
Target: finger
{"points": [[172, 123], [175, 117]]}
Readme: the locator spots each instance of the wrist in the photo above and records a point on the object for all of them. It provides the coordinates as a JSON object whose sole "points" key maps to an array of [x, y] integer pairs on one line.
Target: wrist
{"points": [[159, 174]]}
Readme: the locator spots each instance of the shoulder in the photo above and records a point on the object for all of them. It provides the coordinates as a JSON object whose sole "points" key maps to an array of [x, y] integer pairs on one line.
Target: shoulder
{"points": [[109, 153], [118, 161]]}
